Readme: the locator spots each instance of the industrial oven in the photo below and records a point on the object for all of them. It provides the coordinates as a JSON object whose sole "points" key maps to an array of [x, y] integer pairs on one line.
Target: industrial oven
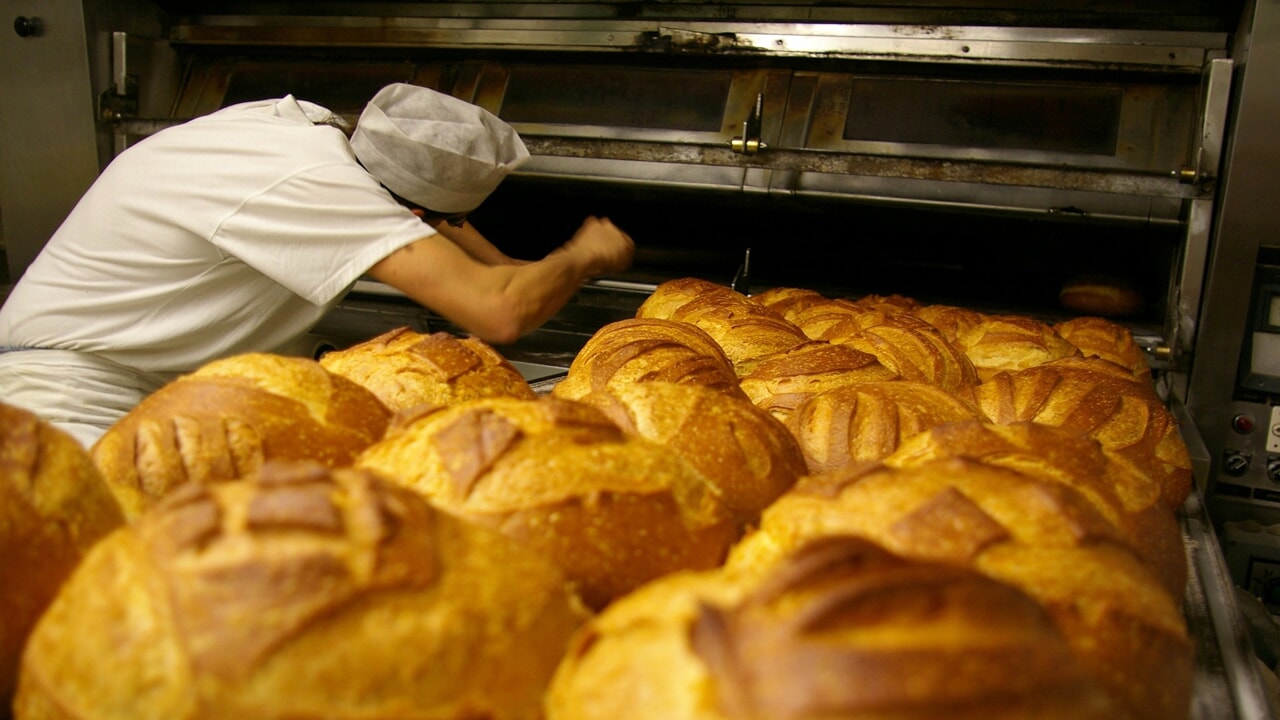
{"points": [[984, 154]]}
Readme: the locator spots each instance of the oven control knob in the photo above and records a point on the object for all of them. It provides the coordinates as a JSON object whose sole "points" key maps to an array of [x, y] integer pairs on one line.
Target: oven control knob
{"points": [[1273, 468], [27, 26], [1235, 463]]}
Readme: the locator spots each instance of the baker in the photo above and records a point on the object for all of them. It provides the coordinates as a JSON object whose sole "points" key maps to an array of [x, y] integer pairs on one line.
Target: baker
{"points": [[239, 230]]}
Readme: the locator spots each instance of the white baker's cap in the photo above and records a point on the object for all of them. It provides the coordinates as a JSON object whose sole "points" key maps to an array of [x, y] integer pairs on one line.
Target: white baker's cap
{"points": [[433, 149]]}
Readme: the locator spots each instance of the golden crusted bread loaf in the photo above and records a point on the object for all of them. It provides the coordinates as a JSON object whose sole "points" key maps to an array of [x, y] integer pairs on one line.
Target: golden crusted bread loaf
{"points": [[744, 328], [950, 320], [808, 310], [1102, 295], [1044, 538], [405, 368], [1129, 501], [892, 303], [1106, 339], [1011, 342], [867, 421], [747, 454], [671, 295], [637, 350], [224, 420], [614, 510], [1125, 415], [54, 506], [780, 382], [747, 331], [300, 592], [913, 349], [838, 628]]}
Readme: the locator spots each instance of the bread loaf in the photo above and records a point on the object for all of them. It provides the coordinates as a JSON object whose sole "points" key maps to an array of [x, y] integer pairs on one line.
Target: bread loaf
{"points": [[1129, 501], [300, 592], [226, 419], [892, 303], [405, 368], [1044, 538], [615, 511], [746, 454], [914, 351], [638, 350], [1124, 415], [670, 295], [866, 422], [808, 310], [744, 330], [54, 506], [1011, 342], [950, 320], [838, 628], [1101, 295], [1106, 339], [780, 382]]}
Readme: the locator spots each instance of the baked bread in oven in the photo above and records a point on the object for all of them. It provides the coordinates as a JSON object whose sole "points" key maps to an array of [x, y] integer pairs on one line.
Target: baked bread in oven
{"points": [[1011, 342], [1045, 538], [300, 592], [780, 382], [1106, 339], [636, 350], [227, 418], [1122, 413], [1130, 501], [671, 295], [837, 628], [910, 347], [867, 421], [614, 510], [54, 506], [745, 330], [809, 310], [950, 320], [747, 454], [405, 368]]}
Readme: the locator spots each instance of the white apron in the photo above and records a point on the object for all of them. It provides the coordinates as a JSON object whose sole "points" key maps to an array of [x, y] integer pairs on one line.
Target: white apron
{"points": [[81, 393]]}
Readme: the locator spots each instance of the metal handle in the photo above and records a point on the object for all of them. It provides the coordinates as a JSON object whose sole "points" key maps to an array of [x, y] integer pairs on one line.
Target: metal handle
{"points": [[750, 143], [27, 26]]}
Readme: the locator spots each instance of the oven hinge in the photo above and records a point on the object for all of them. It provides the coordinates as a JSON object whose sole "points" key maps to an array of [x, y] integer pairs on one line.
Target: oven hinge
{"points": [[750, 143]]}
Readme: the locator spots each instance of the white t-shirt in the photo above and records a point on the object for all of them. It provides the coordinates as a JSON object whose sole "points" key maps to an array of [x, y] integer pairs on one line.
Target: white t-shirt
{"points": [[234, 232]]}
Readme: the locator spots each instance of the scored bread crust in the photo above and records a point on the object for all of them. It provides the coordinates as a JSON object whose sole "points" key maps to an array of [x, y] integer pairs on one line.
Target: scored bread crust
{"points": [[227, 418], [782, 381], [746, 331], [1105, 339], [302, 592], [912, 348], [867, 421], [1044, 538], [54, 506], [1131, 502], [405, 368], [747, 454], [635, 350], [837, 628], [613, 510], [1122, 413], [1011, 342]]}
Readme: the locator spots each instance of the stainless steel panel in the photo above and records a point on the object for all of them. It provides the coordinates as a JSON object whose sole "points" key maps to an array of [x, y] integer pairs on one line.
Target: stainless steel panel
{"points": [[1247, 219], [48, 150]]}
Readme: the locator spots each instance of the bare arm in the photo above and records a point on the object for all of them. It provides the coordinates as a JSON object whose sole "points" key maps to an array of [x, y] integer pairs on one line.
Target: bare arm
{"points": [[475, 244], [501, 302]]}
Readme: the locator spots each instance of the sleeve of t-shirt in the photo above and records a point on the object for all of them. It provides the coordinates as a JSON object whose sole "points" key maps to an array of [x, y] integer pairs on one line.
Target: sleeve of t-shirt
{"points": [[317, 231]]}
